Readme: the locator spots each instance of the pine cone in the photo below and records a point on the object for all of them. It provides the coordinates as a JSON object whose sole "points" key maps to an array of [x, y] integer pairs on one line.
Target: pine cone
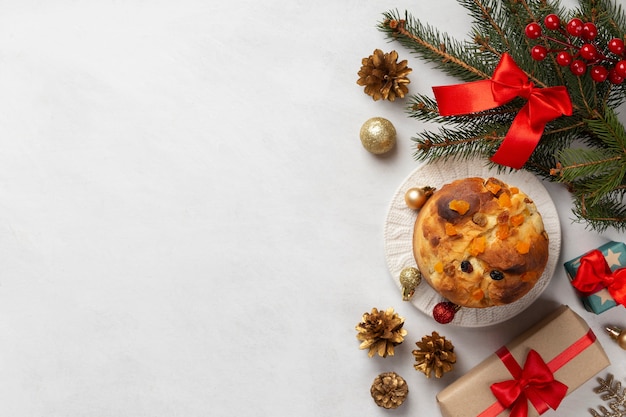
{"points": [[389, 390], [435, 354], [380, 332], [383, 77]]}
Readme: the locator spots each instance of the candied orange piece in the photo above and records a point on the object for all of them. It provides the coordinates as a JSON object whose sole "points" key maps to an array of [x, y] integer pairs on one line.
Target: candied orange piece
{"points": [[514, 190], [478, 294], [522, 247], [493, 187], [450, 229], [503, 231], [504, 200], [439, 267], [517, 219], [460, 206], [477, 246], [529, 276]]}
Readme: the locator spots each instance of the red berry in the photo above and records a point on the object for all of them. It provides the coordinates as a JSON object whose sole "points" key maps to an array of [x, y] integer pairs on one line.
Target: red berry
{"points": [[590, 31], [552, 22], [578, 67], [614, 78], [539, 52], [444, 312], [599, 73], [563, 58], [533, 30], [575, 27], [616, 46], [588, 52], [620, 68]]}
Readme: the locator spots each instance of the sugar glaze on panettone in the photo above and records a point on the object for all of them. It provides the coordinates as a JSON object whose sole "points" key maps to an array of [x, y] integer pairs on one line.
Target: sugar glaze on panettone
{"points": [[480, 242]]}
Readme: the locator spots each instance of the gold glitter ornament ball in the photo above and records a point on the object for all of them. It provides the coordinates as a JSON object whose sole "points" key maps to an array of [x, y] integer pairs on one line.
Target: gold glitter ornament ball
{"points": [[410, 278], [378, 135]]}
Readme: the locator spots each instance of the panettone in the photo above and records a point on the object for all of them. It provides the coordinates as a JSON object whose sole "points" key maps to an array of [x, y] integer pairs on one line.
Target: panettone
{"points": [[480, 243]]}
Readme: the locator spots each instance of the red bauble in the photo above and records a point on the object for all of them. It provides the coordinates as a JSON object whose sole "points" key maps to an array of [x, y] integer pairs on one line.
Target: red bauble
{"points": [[552, 22], [533, 30], [444, 312]]}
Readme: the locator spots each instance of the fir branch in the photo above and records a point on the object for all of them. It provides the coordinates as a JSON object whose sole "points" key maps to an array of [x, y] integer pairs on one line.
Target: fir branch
{"points": [[424, 108], [615, 95], [486, 15], [579, 163], [431, 45], [449, 144], [565, 129], [610, 131], [595, 172], [595, 187], [610, 211]]}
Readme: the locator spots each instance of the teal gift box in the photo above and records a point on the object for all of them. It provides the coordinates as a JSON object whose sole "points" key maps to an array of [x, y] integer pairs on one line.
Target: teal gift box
{"points": [[600, 301]]}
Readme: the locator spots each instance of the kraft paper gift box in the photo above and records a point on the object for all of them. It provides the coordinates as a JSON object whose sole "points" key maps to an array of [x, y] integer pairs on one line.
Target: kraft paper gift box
{"points": [[599, 301], [562, 339]]}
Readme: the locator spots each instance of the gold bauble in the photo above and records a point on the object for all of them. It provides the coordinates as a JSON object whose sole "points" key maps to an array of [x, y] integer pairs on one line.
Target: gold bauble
{"points": [[410, 278], [618, 335], [416, 197], [378, 135]]}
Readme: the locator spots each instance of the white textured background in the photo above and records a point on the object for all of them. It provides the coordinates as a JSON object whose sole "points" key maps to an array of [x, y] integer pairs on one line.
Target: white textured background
{"points": [[189, 225]]}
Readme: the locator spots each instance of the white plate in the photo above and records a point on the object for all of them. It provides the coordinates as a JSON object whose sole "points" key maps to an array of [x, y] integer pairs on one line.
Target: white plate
{"points": [[399, 236]]}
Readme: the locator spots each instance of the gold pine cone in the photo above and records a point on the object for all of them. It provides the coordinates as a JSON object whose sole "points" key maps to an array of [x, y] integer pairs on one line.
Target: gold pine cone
{"points": [[384, 77], [435, 354], [380, 332], [389, 390]]}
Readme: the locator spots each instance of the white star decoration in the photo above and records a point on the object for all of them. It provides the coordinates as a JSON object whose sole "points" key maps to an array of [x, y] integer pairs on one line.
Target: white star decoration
{"points": [[603, 295], [612, 258]]}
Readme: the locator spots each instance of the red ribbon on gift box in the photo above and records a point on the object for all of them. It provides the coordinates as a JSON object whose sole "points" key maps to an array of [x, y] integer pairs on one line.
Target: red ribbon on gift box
{"points": [[594, 273], [508, 82], [534, 382]]}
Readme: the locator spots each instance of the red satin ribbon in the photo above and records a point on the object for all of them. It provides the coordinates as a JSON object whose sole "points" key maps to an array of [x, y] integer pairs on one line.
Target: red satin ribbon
{"points": [[535, 382], [594, 273], [508, 81]]}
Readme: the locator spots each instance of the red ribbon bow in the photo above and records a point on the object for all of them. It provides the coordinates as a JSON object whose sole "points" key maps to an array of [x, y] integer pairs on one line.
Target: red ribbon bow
{"points": [[594, 273], [534, 383], [508, 81]]}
